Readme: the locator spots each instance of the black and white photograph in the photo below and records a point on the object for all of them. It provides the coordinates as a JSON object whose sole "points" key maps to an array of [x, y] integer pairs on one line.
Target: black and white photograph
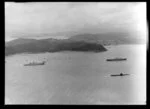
{"points": [[76, 53]]}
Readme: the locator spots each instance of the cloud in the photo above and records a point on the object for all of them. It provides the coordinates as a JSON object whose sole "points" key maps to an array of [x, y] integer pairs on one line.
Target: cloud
{"points": [[66, 18]]}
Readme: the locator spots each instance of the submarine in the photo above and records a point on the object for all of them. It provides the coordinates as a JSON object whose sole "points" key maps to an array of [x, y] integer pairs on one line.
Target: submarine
{"points": [[121, 74], [117, 59]]}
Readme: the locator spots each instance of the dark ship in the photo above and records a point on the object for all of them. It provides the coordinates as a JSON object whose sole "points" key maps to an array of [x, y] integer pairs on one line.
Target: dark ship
{"points": [[121, 74], [35, 63], [117, 59]]}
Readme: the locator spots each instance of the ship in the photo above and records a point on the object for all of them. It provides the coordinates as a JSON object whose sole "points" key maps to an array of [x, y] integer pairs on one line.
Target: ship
{"points": [[35, 63], [121, 74], [117, 59]]}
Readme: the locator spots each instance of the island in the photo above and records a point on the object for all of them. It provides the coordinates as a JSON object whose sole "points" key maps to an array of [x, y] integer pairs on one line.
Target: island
{"points": [[50, 45]]}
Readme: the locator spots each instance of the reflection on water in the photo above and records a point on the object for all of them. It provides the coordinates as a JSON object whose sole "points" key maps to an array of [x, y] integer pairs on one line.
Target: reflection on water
{"points": [[77, 77]]}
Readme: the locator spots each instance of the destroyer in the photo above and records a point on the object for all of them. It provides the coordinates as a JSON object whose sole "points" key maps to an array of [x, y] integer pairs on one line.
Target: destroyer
{"points": [[35, 63]]}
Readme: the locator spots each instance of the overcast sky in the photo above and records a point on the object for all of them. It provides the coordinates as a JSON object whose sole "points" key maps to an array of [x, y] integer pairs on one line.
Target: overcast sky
{"points": [[61, 20]]}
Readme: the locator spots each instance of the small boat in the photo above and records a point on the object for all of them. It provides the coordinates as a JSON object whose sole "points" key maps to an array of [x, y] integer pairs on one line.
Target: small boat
{"points": [[121, 74], [35, 63], [117, 59]]}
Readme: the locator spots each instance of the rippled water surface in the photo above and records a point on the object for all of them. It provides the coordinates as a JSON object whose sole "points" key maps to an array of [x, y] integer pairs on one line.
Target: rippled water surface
{"points": [[77, 77]]}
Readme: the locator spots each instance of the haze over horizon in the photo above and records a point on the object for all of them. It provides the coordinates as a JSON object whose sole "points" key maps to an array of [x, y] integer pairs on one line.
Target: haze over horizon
{"points": [[64, 19]]}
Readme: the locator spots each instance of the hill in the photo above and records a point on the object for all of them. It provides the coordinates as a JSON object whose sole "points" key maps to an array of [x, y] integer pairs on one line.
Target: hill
{"points": [[107, 38], [50, 45]]}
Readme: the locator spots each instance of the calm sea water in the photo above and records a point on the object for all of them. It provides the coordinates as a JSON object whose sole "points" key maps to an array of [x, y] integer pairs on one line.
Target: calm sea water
{"points": [[77, 77]]}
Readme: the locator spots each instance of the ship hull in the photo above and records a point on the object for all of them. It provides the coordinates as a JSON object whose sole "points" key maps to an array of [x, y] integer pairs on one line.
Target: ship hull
{"points": [[34, 64], [120, 75], [124, 59]]}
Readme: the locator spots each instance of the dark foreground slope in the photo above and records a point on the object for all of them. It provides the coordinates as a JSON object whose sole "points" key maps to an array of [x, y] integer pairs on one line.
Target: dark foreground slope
{"points": [[50, 45]]}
